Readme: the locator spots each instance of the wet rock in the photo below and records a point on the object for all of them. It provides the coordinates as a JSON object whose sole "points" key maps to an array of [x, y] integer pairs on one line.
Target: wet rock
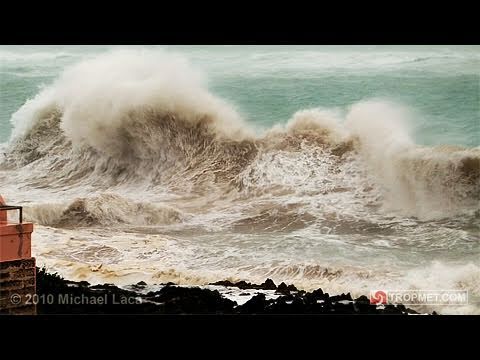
{"points": [[291, 288], [301, 292], [139, 286], [77, 283], [362, 300], [314, 296], [243, 285], [103, 286], [69, 297], [179, 300], [173, 299], [288, 304], [362, 305], [282, 289], [268, 285], [256, 305], [223, 283], [342, 297], [391, 310]]}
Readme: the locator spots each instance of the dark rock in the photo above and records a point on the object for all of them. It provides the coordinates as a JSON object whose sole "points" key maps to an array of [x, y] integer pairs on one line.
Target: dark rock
{"points": [[256, 305], [223, 283], [103, 286], [268, 285], [362, 305], [65, 294], [362, 300], [411, 311], [314, 296], [285, 298], [301, 292], [342, 297], [282, 286], [282, 289], [139, 286], [243, 285], [391, 310], [291, 288], [173, 299], [341, 308], [180, 300], [288, 304], [78, 283]]}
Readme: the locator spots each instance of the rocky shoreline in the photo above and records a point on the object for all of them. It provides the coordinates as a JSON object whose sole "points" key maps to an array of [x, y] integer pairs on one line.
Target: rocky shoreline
{"points": [[56, 295]]}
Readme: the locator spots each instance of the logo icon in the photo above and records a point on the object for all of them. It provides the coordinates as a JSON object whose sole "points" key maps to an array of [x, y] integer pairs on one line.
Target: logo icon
{"points": [[378, 297]]}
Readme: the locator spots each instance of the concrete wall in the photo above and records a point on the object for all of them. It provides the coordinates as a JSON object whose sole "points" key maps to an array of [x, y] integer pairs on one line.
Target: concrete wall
{"points": [[17, 286]]}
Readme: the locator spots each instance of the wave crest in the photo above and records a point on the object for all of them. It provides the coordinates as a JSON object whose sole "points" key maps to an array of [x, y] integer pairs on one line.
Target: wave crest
{"points": [[147, 118], [102, 210]]}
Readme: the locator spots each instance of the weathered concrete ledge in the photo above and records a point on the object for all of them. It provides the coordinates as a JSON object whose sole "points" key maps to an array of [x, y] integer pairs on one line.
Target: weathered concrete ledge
{"points": [[17, 287]]}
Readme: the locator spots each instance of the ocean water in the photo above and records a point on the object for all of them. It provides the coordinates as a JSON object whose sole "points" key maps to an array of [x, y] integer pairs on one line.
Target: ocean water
{"points": [[350, 168]]}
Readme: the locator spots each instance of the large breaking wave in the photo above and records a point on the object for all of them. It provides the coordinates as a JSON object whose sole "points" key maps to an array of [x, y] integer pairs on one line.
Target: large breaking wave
{"points": [[147, 118]]}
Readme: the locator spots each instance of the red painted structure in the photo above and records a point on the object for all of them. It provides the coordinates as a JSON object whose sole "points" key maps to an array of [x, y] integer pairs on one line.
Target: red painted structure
{"points": [[15, 237], [17, 266]]}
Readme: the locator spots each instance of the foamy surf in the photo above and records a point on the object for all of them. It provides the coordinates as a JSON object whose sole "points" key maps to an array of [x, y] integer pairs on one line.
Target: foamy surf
{"points": [[135, 170]]}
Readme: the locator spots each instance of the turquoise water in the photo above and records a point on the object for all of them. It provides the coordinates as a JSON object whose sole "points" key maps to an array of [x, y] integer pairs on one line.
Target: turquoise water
{"points": [[268, 84]]}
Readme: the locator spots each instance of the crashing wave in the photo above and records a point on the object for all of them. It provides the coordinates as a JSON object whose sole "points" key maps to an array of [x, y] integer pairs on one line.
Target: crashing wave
{"points": [[147, 118]]}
